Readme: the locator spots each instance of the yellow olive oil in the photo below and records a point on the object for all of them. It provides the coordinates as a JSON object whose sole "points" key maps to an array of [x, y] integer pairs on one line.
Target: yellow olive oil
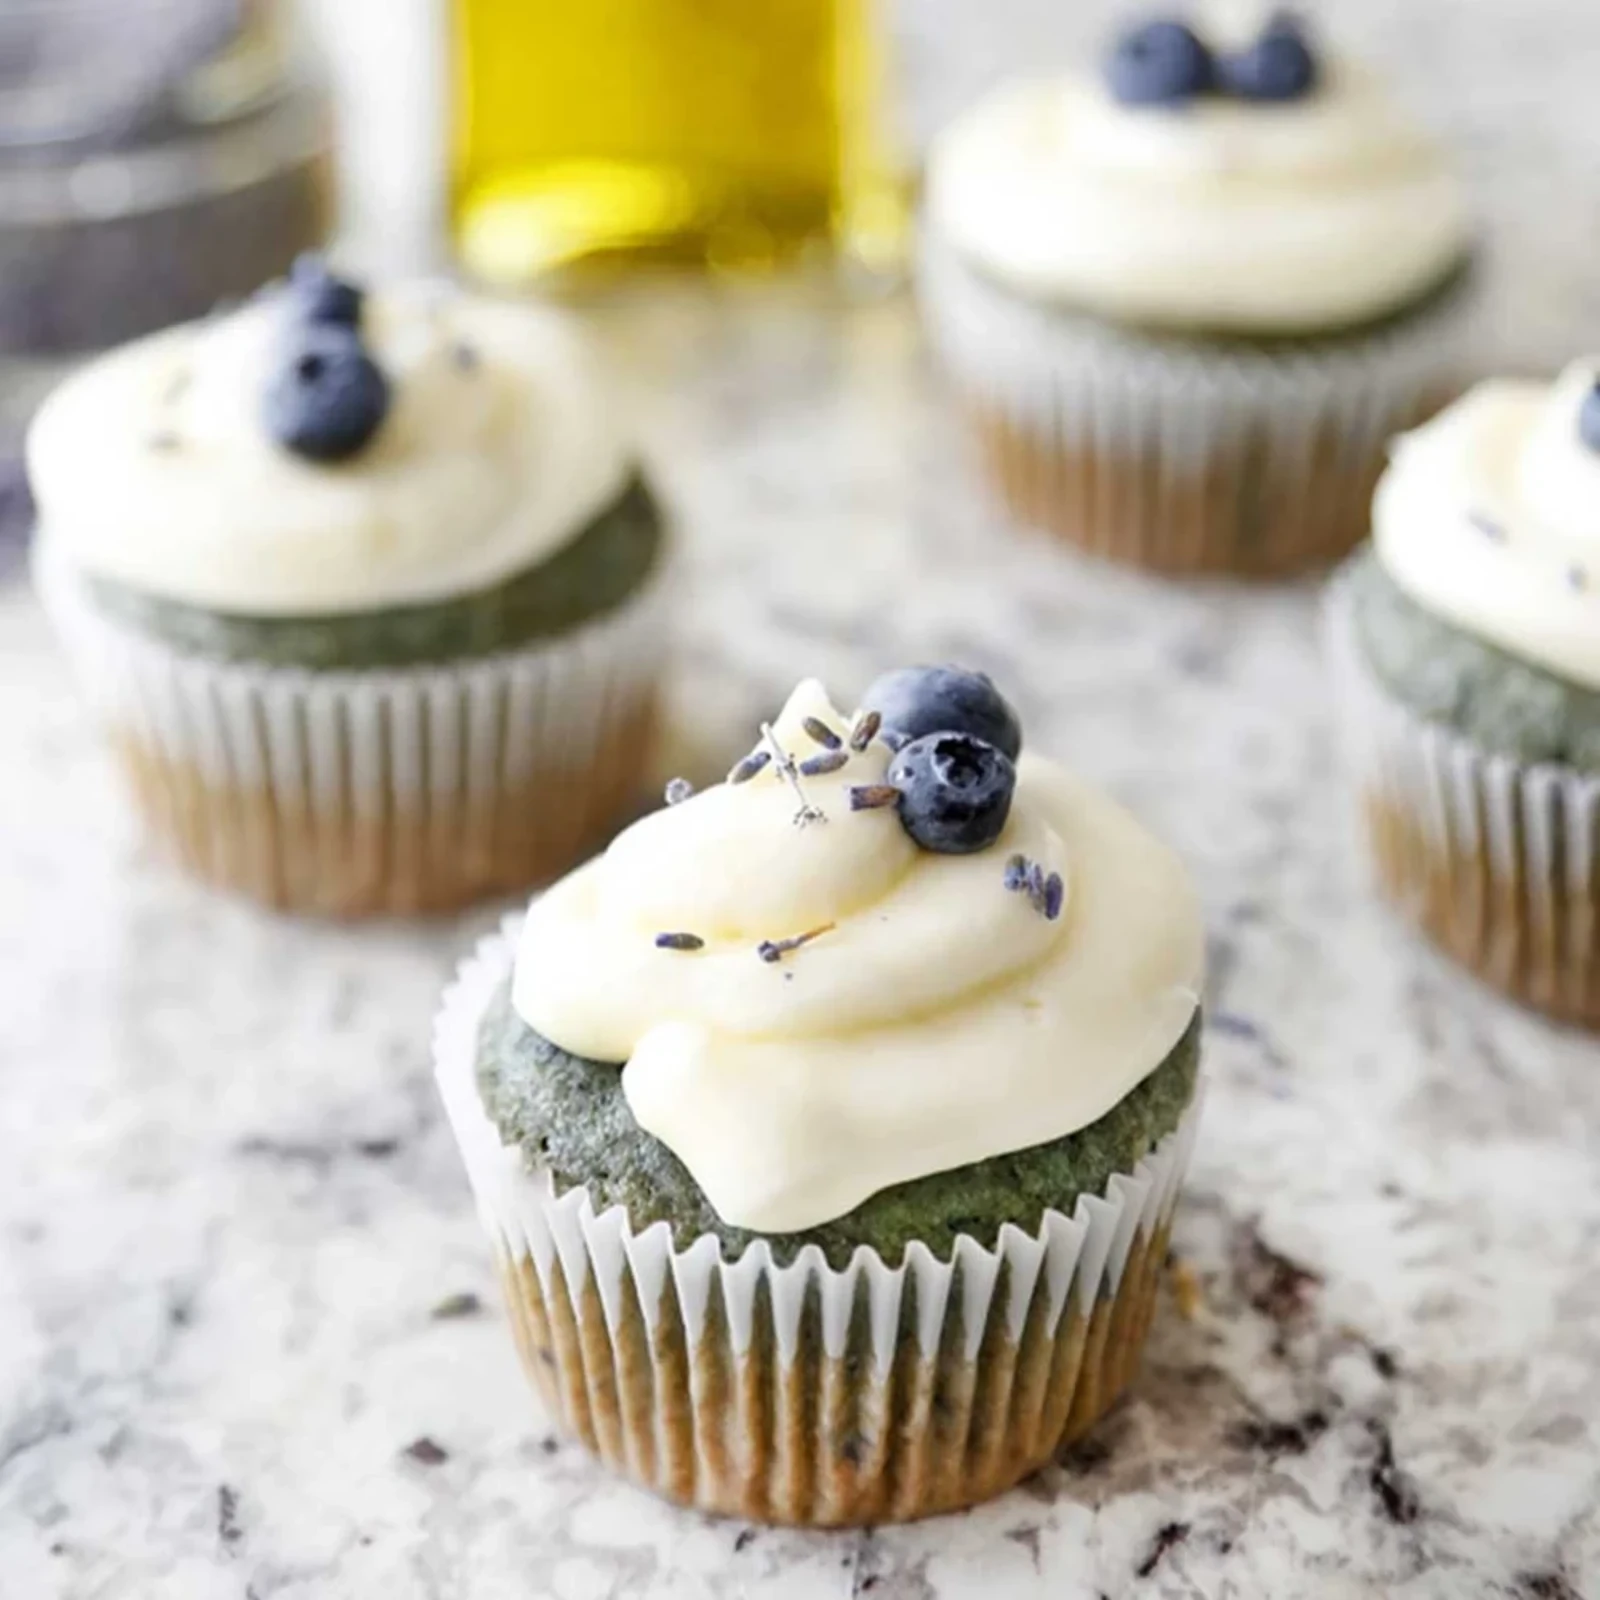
{"points": [[733, 133]]}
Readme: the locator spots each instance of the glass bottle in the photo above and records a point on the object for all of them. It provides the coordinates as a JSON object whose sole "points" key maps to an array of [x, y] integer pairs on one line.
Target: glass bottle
{"points": [[732, 133]]}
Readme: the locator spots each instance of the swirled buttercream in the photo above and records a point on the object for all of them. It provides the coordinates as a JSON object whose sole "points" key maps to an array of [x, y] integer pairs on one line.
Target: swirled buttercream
{"points": [[1218, 215], [1489, 516], [151, 466], [937, 1019]]}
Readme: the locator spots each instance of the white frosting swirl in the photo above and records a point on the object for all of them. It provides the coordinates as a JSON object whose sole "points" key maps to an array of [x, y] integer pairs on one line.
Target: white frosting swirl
{"points": [[1219, 215], [152, 466], [1489, 516], [939, 1021]]}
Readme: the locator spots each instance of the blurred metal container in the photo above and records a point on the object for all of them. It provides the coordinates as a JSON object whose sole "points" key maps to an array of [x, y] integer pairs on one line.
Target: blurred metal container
{"points": [[156, 157]]}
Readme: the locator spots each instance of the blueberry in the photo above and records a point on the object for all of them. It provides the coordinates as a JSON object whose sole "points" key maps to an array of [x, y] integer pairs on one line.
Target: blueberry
{"points": [[318, 296], [1161, 63], [913, 701], [327, 398], [1589, 417], [955, 792], [1278, 66]]}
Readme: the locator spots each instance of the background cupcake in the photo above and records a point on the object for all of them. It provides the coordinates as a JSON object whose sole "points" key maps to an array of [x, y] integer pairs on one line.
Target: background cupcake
{"points": [[364, 588], [1467, 644], [828, 1127], [1185, 299]]}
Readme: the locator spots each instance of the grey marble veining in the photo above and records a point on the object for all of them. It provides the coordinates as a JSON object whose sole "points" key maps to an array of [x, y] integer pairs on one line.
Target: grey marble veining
{"points": [[249, 1344]]}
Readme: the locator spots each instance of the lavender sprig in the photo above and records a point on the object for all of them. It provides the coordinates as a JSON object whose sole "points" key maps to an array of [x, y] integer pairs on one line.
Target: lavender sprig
{"points": [[820, 733], [771, 950], [677, 791], [784, 765]]}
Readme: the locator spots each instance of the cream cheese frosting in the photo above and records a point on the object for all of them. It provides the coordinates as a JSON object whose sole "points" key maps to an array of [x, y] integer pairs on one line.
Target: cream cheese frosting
{"points": [[151, 465], [1219, 215], [1489, 516], [938, 1019]]}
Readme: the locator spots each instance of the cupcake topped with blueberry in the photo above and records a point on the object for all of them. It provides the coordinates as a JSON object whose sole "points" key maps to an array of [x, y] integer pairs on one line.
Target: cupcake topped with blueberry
{"points": [[1467, 644], [1186, 291], [346, 482], [329, 453], [890, 945], [1238, 180], [1488, 521], [897, 1015]]}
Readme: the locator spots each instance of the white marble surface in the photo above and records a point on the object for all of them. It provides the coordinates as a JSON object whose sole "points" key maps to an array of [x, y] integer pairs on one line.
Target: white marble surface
{"points": [[233, 1218]]}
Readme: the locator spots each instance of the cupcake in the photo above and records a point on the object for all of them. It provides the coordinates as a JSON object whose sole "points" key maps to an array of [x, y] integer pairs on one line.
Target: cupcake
{"points": [[1186, 298], [828, 1127], [1466, 643], [364, 588]]}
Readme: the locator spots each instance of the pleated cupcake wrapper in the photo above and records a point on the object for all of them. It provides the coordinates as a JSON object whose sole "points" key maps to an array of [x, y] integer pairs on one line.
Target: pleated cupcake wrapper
{"points": [[1498, 860], [374, 791], [1179, 455], [802, 1392]]}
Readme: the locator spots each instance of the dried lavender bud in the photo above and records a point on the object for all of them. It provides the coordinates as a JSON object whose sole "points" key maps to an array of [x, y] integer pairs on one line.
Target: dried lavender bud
{"points": [[820, 765], [679, 941], [820, 733], [1036, 885], [465, 357], [1490, 529], [677, 791], [749, 767], [1017, 873], [1055, 894], [1577, 578], [873, 796], [771, 950], [865, 731]]}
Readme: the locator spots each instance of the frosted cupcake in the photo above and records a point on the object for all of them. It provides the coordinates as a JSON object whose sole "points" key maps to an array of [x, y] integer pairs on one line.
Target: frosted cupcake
{"points": [[1467, 643], [828, 1127], [364, 588], [1185, 299]]}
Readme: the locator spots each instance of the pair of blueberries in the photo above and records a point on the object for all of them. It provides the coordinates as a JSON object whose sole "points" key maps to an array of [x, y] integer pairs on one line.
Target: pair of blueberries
{"points": [[326, 397], [1166, 63], [957, 740]]}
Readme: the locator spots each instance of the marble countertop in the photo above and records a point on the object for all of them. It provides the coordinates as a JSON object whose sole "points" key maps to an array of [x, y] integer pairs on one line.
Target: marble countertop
{"points": [[249, 1341]]}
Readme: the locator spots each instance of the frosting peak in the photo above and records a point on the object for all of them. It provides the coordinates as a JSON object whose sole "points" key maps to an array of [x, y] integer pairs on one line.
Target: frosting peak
{"points": [[935, 1019], [1489, 516], [152, 465], [1218, 214]]}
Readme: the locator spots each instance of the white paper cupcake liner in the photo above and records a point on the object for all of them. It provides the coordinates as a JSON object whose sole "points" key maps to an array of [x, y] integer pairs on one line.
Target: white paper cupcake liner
{"points": [[1497, 860], [1184, 455], [803, 1393], [374, 791]]}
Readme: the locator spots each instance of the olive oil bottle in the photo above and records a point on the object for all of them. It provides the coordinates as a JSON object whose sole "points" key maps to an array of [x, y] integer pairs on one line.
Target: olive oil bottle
{"points": [[728, 133]]}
